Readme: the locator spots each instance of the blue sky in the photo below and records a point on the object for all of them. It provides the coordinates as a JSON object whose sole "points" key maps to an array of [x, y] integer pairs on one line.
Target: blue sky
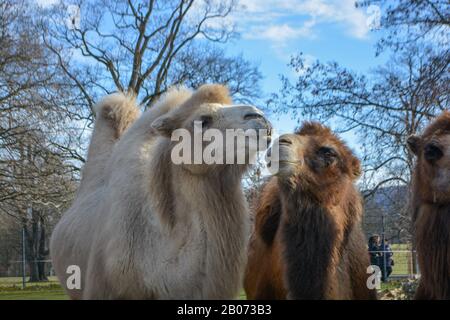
{"points": [[271, 31]]}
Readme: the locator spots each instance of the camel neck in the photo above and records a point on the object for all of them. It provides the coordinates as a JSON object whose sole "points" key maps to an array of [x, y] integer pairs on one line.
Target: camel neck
{"points": [[219, 205], [432, 237], [310, 236]]}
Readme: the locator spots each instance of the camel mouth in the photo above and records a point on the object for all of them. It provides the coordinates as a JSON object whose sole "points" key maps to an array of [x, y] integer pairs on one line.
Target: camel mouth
{"points": [[282, 167]]}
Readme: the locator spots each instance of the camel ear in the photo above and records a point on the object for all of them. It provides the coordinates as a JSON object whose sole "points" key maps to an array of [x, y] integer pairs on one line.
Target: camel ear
{"points": [[164, 125], [413, 143], [356, 168]]}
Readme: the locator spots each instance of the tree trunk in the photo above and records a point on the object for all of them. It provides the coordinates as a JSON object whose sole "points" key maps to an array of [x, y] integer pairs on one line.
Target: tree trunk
{"points": [[43, 251], [36, 244]]}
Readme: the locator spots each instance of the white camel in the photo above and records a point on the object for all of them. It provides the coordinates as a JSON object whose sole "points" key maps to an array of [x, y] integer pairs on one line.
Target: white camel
{"points": [[142, 227]]}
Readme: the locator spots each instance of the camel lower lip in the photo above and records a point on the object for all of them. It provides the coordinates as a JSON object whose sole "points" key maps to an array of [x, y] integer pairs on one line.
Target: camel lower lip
{"points": [[280, 163], [287, 161]]}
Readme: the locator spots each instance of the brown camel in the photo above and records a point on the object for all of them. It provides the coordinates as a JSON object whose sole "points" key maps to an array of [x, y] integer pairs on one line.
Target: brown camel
{"points": [[308, 242], [431, 207]]}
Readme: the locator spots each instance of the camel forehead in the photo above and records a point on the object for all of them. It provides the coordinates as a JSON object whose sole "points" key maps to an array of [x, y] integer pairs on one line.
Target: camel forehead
{"points": [[443, 137], [445, 141], [221, 105], [215, 108], [325, 140]]}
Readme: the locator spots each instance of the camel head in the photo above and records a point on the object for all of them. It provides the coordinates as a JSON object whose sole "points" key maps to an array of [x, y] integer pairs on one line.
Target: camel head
{"points": [[432, 150], [314, 159], [206, 128]]}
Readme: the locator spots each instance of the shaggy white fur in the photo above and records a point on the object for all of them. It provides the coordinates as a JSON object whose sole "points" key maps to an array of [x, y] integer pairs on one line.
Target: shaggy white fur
{"points": [[144, 228]]}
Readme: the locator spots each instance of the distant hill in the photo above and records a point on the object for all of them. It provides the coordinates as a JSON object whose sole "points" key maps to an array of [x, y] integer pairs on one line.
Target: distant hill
{"points": [[392, 202]]}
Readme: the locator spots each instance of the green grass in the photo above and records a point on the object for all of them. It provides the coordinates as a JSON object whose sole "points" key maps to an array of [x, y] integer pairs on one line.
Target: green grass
{"points": [[34, 295], [390, 285], [11, 289], [403, 260], [242, 295]]}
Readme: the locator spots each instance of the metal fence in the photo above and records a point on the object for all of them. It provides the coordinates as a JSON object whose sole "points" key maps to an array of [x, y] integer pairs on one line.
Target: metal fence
{"points": [[19, 268], [404, 263], [16, 266], [19, 274]]}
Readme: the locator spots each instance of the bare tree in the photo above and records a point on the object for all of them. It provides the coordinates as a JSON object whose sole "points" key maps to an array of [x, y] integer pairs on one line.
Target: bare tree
{"points": [[55, 62], [36, 181], [382, 109], [410, 21], [145, 47]]}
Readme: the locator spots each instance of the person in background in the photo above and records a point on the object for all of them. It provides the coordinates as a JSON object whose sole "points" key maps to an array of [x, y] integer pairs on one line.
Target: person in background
{"points": [[386, 257], [375, 250]]}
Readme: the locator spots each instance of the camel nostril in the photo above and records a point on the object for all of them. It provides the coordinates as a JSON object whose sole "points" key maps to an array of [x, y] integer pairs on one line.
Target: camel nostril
{"points": [[285, 141], [432, 152], [253, 115]]}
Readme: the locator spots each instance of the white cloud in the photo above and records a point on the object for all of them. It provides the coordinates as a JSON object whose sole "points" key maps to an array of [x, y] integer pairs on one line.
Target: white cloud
{"points": [[278, 33], [285, 20], [46, 3]]}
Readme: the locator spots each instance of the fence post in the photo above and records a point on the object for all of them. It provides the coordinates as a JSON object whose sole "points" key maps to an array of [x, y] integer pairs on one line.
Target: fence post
{"points": [[416, 263], [23, 259], [383, 242]]}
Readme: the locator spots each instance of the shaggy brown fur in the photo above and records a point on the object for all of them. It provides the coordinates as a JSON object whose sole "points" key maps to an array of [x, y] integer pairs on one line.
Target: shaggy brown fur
{"points": [[431, 207], [308, 242]]}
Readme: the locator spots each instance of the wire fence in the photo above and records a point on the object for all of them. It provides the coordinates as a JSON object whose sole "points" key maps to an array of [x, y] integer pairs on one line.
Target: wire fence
{"points": [[14, 274], [22, 269], [403, 263]]}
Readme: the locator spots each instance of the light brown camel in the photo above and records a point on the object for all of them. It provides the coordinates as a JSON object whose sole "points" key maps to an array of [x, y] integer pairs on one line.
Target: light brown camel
{"points": [[431, 207], [308, 241]]}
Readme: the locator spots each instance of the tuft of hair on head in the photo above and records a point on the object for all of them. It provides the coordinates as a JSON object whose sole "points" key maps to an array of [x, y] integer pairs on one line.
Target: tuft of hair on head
{"points": [[440, 124], [313, 128], [208, 93], [119, 108]]}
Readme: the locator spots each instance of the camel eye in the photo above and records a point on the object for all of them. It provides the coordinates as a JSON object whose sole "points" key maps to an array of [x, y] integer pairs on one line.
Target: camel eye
{"points": [[432, 152], [327, 154]]}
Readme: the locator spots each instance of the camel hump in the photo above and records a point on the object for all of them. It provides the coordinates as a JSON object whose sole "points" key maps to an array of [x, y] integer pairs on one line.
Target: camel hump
{"points": [[172, 98], [119, 110], [212, 93]]}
